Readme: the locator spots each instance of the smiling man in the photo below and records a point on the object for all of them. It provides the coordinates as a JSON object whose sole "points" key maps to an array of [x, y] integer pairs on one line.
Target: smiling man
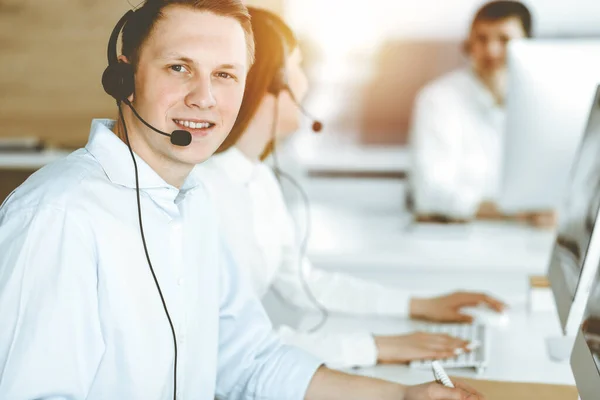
{"points": [[114, 283]]}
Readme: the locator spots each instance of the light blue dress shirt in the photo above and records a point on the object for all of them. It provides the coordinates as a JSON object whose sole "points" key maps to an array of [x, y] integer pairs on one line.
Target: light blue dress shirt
{"points": [[80, 315]]}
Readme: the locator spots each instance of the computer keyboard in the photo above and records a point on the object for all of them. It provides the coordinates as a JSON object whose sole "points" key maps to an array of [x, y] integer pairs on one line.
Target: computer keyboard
{"points": [[474, 333]]}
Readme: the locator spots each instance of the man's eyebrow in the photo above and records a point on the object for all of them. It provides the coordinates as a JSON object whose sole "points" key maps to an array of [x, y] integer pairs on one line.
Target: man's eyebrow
{"points": [[231, 66], [177, 56], [187, 60]]}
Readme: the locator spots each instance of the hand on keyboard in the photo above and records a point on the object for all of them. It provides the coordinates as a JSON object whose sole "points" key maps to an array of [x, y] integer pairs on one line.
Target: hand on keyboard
{"points": [[418, 346], [448, 308], [475, 335]]}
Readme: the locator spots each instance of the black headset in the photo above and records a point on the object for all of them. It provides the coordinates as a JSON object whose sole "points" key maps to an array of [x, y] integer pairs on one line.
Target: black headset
{"points": [[117, 78], [278, 84], [280, 80], [118, 81]]}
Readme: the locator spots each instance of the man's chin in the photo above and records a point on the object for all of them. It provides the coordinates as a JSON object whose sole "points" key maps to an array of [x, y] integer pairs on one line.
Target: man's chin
{"points": [[196, 153], [492, 70]]}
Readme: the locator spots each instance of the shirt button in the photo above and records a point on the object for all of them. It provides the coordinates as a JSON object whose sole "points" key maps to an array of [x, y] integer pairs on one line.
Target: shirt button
{"points": [[180, 282]]}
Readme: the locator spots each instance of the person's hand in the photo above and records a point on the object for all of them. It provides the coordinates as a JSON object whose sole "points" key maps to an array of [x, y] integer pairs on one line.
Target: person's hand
{"points": [[489, 210], [436, 391], [539, 219], [439, 219], [447, 308], [417, 346]]}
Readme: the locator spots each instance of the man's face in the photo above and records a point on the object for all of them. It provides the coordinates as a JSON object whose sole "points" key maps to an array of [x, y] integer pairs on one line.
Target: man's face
{"points": [[190, 75], [488, 41]]}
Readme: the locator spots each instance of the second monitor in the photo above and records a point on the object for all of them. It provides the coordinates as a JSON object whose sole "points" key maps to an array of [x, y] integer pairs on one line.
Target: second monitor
{"points": [[551, 86], [576, 252]]}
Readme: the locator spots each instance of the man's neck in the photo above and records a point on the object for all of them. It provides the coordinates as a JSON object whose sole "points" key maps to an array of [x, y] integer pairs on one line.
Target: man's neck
{"points": [[496, 83], [171, 172]]}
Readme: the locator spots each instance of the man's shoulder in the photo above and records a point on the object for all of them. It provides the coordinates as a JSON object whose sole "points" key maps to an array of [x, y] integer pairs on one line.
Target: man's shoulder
{"points": [[58, 185], [453, 83]]}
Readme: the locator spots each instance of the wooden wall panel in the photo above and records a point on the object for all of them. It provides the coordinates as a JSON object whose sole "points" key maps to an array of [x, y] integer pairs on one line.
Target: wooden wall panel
{"points": [[402, 68], [52, 55]]}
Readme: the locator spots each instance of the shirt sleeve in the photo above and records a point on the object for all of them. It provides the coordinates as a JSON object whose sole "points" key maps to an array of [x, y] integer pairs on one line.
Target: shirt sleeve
{"points": [[50, 341], [253, 363], [345, 350], [440, 185]]}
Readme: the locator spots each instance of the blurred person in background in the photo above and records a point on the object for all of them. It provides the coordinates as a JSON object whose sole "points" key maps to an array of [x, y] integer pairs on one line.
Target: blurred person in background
{"points": [[458, 126], [260, 231]]}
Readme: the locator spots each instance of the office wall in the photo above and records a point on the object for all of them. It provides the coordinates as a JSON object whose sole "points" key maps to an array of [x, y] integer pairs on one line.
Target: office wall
{"points": [[53, 53], [402, 45], [273, 5], [429, 19]]}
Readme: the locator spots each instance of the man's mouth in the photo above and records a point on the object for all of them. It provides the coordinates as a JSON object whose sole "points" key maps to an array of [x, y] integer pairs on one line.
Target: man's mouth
{"points": [[188, 124]]}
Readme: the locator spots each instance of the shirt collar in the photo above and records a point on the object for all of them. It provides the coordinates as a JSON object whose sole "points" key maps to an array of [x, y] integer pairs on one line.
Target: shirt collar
{"points": [[236, 165], [482, 93], [114, 157]]}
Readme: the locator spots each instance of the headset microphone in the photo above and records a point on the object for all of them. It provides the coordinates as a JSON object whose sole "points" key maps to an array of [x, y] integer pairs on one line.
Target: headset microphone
{"points": [[317, 125], [178, 137]]}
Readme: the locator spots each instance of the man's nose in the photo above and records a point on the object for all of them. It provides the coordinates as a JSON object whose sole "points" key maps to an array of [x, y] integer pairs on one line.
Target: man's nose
{"points": [[201, 94]]}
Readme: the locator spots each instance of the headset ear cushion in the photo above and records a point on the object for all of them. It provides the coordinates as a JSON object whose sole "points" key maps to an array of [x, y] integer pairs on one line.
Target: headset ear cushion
{"points": [[279, 82], [118, 80]]}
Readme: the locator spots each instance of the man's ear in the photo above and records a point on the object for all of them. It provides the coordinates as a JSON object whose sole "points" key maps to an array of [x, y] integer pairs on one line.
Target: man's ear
{"points": [[124, 59]]}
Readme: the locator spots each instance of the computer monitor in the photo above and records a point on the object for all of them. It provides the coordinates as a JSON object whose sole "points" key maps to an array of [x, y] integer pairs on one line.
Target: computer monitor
{"points": [[585, 357], [551, 84], [576, 253]]}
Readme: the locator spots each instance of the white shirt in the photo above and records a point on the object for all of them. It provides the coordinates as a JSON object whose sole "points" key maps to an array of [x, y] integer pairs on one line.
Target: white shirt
{"points": [[456, 138], [261, 233], [81, 315]]}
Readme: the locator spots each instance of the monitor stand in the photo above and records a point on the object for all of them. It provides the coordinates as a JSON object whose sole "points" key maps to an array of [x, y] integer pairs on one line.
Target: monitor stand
{"points": [[560, 347]]}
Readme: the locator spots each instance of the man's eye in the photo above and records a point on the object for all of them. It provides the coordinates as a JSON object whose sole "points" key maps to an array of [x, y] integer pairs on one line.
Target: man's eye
{"points": [[178, 68], [225, 75]]}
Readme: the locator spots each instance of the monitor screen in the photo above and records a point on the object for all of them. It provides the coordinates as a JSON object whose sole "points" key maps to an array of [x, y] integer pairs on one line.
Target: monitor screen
{"points": [[551, 86], [591, 325], [577, 218], [585, 358]]}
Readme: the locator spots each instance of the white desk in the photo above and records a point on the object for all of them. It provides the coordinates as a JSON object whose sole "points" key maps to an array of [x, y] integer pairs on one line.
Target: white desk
{"points": [[343, 152], [352, 240], [517, 352], [29, 161]]}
